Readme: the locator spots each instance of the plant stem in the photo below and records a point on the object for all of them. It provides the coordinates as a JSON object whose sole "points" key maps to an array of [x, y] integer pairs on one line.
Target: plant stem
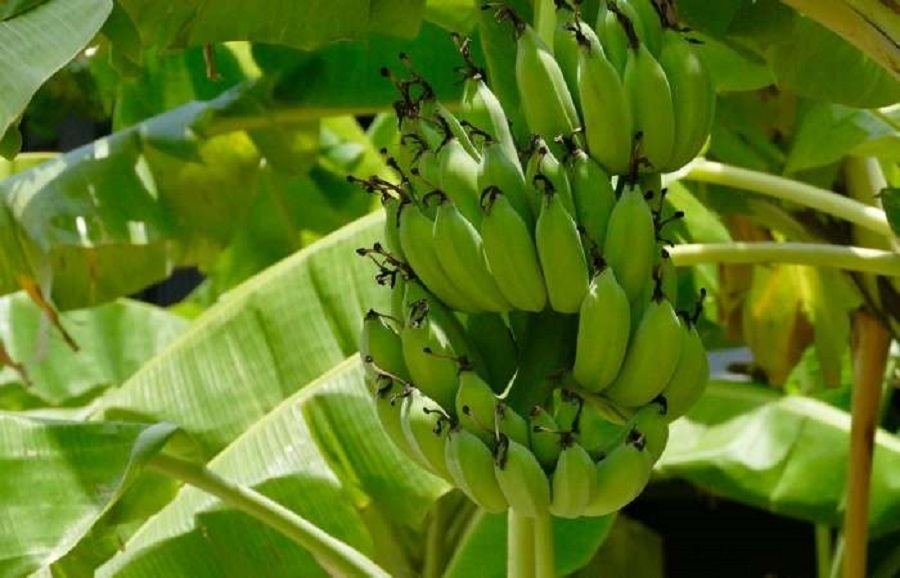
{"points": [[870, 359], [336, 557], [544, 563], [822, 200], [823, 550], [816, 254], [520, 546], [870, 25]]}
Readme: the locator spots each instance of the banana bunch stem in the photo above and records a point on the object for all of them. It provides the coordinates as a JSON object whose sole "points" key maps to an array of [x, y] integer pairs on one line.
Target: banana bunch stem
{"points": [[862, 259], [530, 550], [823, 200]]}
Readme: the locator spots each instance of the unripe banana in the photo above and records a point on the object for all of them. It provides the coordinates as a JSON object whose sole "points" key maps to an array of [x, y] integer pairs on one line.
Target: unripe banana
{"points": [[561, 256], [651, 358], [567, 410], [651, 28], [693, 98], [388, 398], [547, 174], [630, 246], [471, 465], [594, 197], [429, 356], [482, 109], [652, 422], [668, 277], [380, 348], [614, 40], [398, 295], [621, 477], [598, 435], [424, 425], [505, 173], [459, 179], [511, 255], [545, 437], [608, 124], [415, 234], [459, 250], [482, 413], [691, 375], [488, 334], [604, 327], [450, 124], [537, 73], [574, 481], [651, 105], [565, 49], [521, 478], [391, 206]]}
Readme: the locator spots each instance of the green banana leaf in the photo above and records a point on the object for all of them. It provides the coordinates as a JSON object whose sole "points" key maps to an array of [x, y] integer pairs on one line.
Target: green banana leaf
{"points": [[59, 478], [786, 454], [37, 43], [114, 341]]}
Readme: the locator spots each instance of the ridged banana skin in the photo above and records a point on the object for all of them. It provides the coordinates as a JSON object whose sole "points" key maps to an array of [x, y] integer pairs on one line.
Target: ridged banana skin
{"points": [[388, 410], [381, 349], [512, 258], [482, 109], [621, 477], [504, 172], [416, 238], [456, 129], [565, 50], [480, 411], [651, 421], [459, 249], [490, 336], [693, 98], [651, 30], [545, 437], [459, 179], [651, 104], [392, 227], [594, 197], [690, 378], [544, 162], [471, 466], [537, 73], [608, 123], [561, 256], [423, 432], [630, 245], [651, 359], [435, 376], [604, 327], [573, 483], [522, 479]]}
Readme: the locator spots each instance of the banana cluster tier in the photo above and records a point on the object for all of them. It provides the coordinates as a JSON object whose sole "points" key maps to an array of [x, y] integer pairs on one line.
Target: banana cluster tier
{"points": [[534, 353]]}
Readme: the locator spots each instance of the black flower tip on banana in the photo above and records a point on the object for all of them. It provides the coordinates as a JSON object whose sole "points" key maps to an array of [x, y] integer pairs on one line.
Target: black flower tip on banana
{"points": [[533, 355]]}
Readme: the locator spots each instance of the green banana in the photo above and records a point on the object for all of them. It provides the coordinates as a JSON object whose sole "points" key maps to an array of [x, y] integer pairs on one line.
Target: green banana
{"points": [[429, 356], [548, 106], [630, 245], [650, 23], [547, 174], [415, 233], [391, 206], [668, 277], [388, 399], [450, 127], [545, 437], [480, 411], [565, 48], [471, 466], [608, 124], [490, 336], [567, 409], [691, 375], [651, 421], [594, 196], [521, 478], [621, 477], [505, 173], [650, 96], [597, 434], [573, 482], [659, 338], [482, 109], [561, 256], [693, 98], [613, 39], [459, 249], [459, 179], [424, 425], [511, 255], [604, 326], [380, 347]]}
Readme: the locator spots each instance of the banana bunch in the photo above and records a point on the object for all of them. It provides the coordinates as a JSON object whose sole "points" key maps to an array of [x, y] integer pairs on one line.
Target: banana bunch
{"points": [[533, 354]]}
